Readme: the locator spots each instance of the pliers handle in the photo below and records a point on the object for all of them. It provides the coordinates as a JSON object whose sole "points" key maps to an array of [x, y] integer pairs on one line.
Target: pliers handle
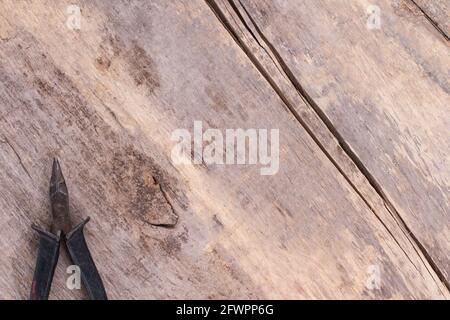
{"points": [[47, 260]]}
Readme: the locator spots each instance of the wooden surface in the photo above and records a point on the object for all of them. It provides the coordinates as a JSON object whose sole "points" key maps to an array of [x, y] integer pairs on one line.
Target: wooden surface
{"points": [[438, 14], [364, 173], [393, 114]]}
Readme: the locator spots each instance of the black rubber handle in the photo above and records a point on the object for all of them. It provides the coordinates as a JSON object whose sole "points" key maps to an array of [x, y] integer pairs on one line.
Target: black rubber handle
{"points": [[47, 259], [80, 255]]}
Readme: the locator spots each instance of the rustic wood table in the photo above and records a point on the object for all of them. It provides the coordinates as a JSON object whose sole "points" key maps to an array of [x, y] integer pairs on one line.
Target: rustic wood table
{"points": [[358, 208]]}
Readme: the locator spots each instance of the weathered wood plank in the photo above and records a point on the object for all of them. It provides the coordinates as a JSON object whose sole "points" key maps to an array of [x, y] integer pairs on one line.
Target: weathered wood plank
{"points": [[106, 98], [438, 11], [383, 91], [239, 25]]}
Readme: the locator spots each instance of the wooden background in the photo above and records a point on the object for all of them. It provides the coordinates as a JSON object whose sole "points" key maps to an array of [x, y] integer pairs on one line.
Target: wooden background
{"points": [[363, 114]]}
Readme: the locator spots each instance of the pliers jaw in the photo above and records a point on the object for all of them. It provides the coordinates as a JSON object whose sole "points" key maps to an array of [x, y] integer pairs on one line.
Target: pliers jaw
{"points": [[59, 197]]}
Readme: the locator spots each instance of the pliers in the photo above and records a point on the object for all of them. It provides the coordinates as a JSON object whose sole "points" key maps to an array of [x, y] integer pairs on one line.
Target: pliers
{"points": [[62, 231]]}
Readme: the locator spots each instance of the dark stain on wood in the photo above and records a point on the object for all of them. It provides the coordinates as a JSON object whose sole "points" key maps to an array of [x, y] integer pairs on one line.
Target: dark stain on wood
{"points": [[133, 174], [142, 68], [109, 49], [170, 245]]}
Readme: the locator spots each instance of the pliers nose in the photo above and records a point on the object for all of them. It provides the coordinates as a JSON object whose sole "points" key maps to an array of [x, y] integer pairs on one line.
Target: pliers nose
{"points": [[59, 198]]}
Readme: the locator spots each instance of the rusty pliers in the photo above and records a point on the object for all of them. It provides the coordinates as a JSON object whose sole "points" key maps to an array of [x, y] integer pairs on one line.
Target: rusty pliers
{"points": [[62, 231]]}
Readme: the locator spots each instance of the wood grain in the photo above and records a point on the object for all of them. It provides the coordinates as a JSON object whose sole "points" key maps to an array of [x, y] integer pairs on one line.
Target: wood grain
{"points": [[383, 93], [438, 12], [105, 99]]}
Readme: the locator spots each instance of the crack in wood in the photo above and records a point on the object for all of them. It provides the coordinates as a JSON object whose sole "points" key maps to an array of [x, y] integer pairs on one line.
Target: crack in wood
{"points": [[247, 27], [169, 203], [357, 161], [343, 144], [6, 141], [431, 20], [109, 110]]}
